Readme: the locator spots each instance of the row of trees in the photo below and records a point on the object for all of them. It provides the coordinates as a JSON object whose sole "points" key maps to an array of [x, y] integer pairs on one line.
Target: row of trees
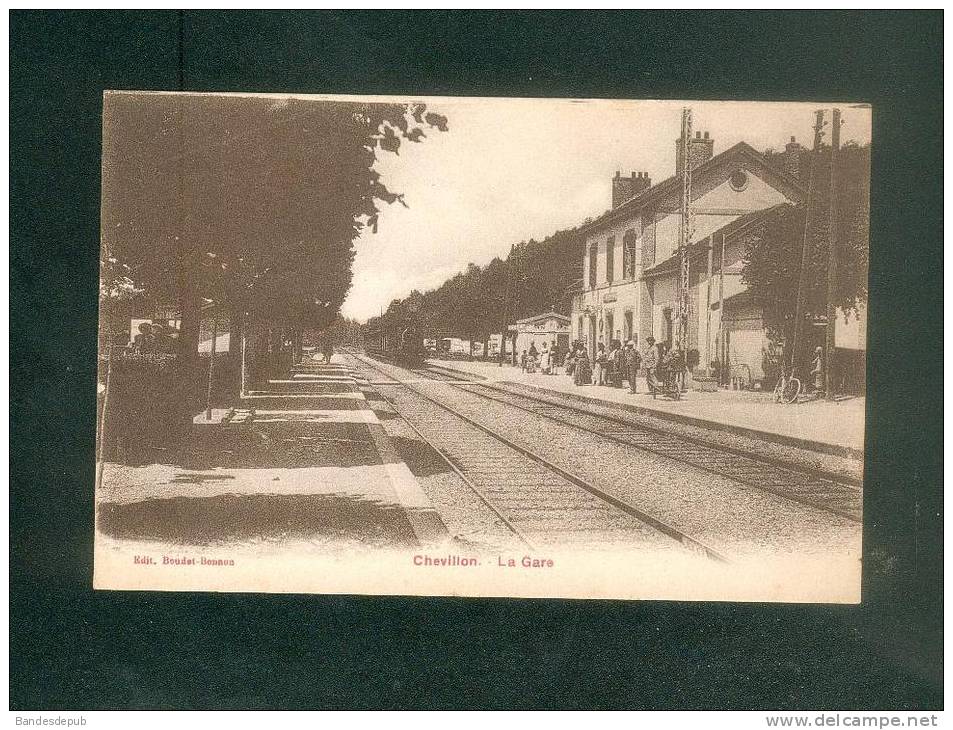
{"points": [[251, 203], [536, 276], [238, 208], [342, 332]]}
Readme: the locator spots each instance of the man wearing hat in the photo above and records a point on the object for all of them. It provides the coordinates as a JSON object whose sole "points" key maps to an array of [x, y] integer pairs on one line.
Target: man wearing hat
{"points": [[633, 362]]}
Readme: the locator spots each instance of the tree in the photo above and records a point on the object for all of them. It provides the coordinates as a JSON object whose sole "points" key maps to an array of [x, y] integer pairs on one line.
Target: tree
{"points": [[772, 267], [251, 202], [535, 277]]}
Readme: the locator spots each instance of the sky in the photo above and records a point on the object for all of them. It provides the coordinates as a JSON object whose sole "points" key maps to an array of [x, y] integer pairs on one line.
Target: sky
{"points": [[513, 169]]}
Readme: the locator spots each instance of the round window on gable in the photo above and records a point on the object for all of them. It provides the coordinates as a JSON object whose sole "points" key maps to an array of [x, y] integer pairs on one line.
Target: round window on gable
{"points": [[738, 180]]}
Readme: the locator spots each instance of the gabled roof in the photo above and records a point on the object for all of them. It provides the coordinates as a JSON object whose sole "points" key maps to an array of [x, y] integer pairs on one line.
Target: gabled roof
{"points": [[670, 265], [698, 247], [673, 185], [730, 229], [547, 315]]}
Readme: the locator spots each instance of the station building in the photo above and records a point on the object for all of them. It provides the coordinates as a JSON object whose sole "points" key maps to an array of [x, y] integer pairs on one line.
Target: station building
{"points": [[631, 264], [540, 329]]}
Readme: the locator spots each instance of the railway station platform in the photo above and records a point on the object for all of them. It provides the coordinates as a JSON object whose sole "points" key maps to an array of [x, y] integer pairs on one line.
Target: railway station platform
{"points": [[302, 457], [828, 427]]}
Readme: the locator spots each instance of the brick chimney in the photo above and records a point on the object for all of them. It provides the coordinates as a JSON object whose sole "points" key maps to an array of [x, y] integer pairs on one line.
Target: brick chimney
{"points": [[792, 158], [700, 150], [626, 188]]}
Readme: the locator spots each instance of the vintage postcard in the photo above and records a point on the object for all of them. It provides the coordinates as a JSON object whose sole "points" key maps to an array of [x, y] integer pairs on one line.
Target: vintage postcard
{"points": [[482, 346]]}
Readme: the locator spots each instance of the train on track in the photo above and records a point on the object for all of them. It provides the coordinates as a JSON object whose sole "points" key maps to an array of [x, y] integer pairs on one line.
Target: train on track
{"points": [[407, 348]]}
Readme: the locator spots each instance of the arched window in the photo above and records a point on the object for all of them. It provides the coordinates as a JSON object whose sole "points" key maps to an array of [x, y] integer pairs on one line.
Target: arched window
{"points": [[593, 263], [610, 259]]}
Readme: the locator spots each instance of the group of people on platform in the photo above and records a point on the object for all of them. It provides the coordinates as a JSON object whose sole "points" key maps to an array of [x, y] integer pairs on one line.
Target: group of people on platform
{"points": [[657, 363], [155, 339], [547, 361], [616, 366]]}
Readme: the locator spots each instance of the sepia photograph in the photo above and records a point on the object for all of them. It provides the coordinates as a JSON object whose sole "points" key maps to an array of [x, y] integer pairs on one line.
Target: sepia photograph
{"points": [[462, 346], [476, 360]]}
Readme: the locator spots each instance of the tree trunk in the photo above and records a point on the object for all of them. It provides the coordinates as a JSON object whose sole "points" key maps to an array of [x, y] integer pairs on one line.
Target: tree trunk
{"points": [[190, 306], [236, 319]]}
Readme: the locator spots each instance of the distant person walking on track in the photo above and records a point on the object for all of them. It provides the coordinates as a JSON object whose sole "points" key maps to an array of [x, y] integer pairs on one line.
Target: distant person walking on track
{"points": [[523, 362], [650, 362], [633, 362]]}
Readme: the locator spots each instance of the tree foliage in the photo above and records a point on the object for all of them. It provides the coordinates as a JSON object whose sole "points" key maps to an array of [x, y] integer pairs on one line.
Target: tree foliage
{"points": [[772, 267], [536, 276], [342, 332], [253, 202]]}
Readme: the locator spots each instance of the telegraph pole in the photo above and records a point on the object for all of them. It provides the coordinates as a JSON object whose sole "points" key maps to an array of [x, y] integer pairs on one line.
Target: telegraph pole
{"points": [[507, 304], [806, 240], [832, 262], [686, 237]]}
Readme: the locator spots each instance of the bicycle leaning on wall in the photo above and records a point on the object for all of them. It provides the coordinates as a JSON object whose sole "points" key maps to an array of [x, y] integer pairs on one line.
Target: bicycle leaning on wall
{"points": [[789, 386]]}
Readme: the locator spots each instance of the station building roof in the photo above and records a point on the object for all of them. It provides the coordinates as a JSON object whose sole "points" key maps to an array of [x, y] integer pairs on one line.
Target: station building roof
{"points": [[671, 264], [561, 318], [737, 154]]}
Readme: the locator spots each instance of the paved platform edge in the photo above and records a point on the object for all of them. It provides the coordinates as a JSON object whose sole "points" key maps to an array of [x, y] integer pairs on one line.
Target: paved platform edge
{"points": [[806, 444], [424, 520]]}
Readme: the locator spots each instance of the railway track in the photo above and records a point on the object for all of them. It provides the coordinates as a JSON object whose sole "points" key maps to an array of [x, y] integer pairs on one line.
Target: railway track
{"points": [[802, 485], [542, 503]]}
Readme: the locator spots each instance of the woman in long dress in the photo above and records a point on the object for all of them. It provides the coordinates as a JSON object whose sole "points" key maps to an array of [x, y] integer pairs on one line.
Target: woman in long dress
{"points": [[582, 374]]}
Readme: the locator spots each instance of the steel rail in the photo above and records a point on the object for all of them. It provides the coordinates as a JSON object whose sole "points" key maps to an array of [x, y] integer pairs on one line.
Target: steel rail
{"points": [[446, 457], [674, 533], [758, 461], [844, 479]]}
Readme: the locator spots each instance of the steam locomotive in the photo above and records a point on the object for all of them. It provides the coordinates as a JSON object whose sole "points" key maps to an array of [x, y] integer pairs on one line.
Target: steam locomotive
{"points": [[407, 348]]}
